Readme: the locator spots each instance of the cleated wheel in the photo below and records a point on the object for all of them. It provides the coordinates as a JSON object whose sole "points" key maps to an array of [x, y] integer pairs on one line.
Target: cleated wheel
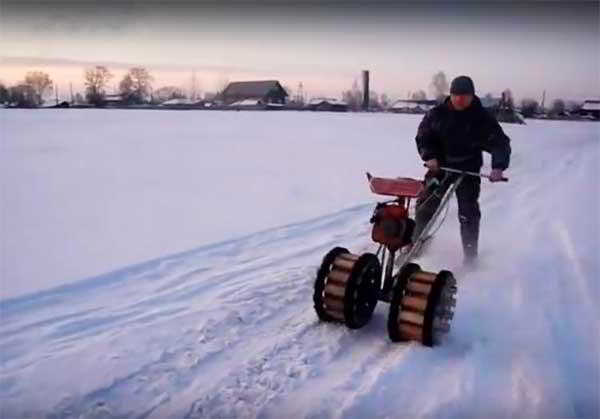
{"points": [[422, 305], [320, 282], [346, 287]]}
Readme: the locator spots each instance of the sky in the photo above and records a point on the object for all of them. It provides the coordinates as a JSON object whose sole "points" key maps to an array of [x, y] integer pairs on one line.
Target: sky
{"points": [[528, 47]]}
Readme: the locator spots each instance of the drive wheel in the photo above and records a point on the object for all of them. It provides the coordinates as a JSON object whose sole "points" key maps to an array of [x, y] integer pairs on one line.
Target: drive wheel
{"points": [[320, 282], [362, 290], [422, 306], [347, 287]]}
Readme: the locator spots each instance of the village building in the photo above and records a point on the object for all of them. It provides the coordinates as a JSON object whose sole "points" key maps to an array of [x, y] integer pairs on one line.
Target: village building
{"points": [[412, 106], [257, 93], [327, 105], [183, 103], [502, 109], [590, 108], [113, 100]]}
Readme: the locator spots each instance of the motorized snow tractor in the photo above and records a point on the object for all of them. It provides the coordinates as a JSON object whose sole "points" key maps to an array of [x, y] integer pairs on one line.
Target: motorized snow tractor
{"points": [[348, 286]]}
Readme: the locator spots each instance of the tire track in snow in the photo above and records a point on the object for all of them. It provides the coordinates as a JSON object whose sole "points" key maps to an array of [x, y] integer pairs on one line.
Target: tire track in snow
{"points": [[246, 282], [219, 339], [288, 366]]}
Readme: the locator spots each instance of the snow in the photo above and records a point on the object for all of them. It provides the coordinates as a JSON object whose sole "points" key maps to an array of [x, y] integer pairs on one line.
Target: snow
{"points": [[407, 104], [160, 265], [247, 102], [590, 105], [177, 101]]}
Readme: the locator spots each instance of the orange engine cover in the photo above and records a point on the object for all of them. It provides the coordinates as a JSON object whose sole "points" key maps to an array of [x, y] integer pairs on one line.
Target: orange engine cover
{"points": [[392, 227]]}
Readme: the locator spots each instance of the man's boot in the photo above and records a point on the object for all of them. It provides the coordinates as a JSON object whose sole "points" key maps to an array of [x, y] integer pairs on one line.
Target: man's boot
{"points": [[469, 233]]}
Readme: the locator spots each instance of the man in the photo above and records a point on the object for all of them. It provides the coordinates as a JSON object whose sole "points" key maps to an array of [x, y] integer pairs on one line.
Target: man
{"points": [[454, 134]]}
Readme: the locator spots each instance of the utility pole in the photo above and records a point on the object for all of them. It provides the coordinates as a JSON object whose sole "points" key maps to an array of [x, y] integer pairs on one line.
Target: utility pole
{"points": [[71, 89], [56, 92]]}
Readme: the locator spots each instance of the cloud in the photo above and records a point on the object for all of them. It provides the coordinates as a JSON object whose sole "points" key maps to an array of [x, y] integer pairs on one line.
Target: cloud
{"points": [[66, 62]]}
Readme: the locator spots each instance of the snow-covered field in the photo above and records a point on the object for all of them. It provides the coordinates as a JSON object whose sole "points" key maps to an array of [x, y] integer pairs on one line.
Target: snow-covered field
{"points": [[160, 265]]}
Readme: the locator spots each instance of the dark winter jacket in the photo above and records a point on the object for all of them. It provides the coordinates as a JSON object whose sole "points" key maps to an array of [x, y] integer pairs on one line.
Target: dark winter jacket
{"points": [[457, 138]]}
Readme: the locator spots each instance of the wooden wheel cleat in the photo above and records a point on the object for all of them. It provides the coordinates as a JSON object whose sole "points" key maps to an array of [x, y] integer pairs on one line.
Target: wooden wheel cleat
{"points": [[422, 306], [347, 287]]}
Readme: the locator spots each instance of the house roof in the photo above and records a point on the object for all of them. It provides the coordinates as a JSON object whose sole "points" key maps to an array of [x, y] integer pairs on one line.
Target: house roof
{"points": [[331, 101], [252, 89], [490, 102], [178, 101], [591, 105], [247, 102], [412, 104]]}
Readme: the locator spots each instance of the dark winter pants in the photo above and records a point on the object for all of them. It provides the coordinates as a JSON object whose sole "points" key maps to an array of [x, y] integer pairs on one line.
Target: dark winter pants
{"points": [[467, 196]]}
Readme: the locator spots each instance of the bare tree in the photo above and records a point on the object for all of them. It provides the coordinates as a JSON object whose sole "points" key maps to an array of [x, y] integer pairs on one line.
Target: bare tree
{"points": [[558, 107], [374, 103], [40, 82], [79, 100], [126, 89], [573, 106], [353, 97], [168, 93], [439, 85], [221, 86], [136, 85], [96, 80], [194, 88], [419, 95], [210, 96], [507, 100], [384, 100], [529, 107], [22, 95], [3, 94]]}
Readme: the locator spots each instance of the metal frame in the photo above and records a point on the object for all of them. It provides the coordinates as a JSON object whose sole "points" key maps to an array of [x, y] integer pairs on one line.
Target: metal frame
{"points": [[403, 259], [387, 271]]}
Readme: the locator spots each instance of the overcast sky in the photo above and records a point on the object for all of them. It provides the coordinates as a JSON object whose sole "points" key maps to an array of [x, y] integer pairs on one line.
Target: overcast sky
{"points": [[528, 47]]}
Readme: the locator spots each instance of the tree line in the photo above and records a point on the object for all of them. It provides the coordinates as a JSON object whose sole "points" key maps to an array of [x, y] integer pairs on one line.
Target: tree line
{"points": [[136, 88], [439, 89]]}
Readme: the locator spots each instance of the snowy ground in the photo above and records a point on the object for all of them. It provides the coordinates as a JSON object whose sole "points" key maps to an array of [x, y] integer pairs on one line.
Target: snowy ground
{"points": [[102, 318]]}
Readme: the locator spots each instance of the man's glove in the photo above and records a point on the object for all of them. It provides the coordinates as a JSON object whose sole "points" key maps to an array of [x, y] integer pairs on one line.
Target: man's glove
{"points": [[496, 175]]}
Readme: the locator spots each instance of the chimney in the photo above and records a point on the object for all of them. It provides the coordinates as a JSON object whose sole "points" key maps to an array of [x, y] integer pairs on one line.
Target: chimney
{"points": [[365, 104]]}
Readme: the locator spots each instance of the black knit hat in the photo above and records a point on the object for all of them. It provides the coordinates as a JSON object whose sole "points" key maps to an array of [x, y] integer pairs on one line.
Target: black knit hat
{"points": [[462, 85]]}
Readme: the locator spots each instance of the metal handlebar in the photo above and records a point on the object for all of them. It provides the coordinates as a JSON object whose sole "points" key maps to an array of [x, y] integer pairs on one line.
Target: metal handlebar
{"points": [[465, 172]]}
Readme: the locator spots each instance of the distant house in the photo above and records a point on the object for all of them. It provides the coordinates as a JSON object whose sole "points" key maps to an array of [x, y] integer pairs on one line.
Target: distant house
{"points": [[176, 102], [183, 103], [114, 99], [327, 105], [263, 92], [491, 103], [412, 106], [502, 109], [591, 108], [247, 104]]}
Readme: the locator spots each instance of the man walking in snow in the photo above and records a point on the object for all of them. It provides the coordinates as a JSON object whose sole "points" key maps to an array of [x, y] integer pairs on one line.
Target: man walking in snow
{"points": [[454, 134]]}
